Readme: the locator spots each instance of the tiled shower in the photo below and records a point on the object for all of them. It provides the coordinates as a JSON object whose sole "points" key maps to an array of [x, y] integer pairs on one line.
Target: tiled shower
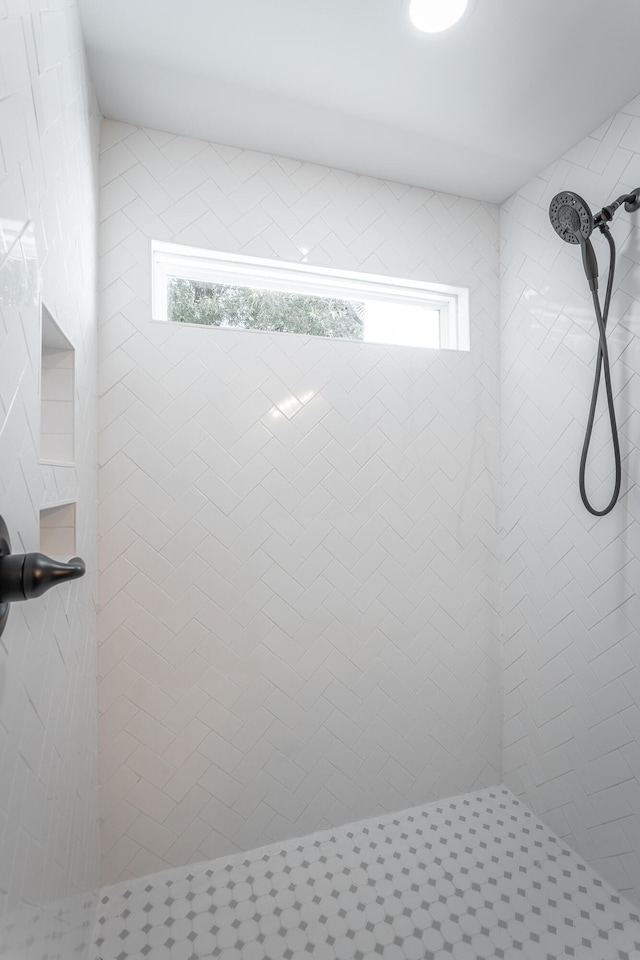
{"points": [[277, 485], [367, 674]]}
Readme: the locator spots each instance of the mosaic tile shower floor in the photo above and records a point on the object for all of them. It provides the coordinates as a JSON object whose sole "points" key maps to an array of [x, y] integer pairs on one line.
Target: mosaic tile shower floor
{"points": [[473, 877]]}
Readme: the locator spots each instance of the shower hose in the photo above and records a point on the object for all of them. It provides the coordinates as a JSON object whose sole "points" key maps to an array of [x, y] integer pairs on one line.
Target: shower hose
{"points": [[602, 316]]}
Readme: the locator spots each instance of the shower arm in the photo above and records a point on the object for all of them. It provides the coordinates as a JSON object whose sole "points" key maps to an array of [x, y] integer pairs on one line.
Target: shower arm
{"points": [[631, 204]]}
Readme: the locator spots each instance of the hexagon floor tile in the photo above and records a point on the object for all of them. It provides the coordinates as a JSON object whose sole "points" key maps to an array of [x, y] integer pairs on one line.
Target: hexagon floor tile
{"points": [[473, 877]]}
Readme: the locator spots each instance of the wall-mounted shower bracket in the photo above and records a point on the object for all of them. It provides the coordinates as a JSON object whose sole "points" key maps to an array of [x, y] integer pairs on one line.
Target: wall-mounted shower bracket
{"points": [[634, 204], [25, 576]]}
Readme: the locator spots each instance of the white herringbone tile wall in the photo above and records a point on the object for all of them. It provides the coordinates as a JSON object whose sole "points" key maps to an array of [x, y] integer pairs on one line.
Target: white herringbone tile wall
{"points": [[48, 198], [298, 538], [571, 617]]}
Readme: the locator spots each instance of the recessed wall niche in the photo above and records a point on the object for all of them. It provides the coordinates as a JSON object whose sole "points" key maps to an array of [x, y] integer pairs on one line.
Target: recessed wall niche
{"points": [[58, 531], [57, 394]]}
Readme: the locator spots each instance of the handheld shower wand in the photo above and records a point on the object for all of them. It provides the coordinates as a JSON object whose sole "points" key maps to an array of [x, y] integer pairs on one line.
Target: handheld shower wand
{"points": [[574, 223]]}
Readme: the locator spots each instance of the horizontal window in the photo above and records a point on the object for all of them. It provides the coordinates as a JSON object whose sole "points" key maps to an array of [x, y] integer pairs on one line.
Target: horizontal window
{"points": [[225, 290]]}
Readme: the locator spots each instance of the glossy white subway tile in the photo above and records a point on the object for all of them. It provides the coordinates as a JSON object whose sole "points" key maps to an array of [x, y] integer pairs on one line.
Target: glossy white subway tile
{"points": [[289, 484], [48, 198], [570, 619]]}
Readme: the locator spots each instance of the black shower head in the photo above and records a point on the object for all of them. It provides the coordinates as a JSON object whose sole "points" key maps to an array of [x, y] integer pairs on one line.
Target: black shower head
{"points": [[571, 217]]}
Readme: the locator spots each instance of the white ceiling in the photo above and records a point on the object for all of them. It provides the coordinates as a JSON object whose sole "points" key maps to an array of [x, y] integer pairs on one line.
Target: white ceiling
{"points": [[475, 111]]}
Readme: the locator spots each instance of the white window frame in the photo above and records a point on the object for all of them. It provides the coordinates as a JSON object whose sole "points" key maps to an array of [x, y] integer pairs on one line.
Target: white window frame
{"points": [[191, 263]]}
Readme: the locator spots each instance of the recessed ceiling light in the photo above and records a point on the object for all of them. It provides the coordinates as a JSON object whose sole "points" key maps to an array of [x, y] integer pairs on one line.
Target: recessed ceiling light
{"points": [[434, 16]]}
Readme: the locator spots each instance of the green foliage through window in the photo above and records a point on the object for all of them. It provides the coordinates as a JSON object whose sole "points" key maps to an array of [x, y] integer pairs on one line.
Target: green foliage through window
{"points": [[221, 305]]}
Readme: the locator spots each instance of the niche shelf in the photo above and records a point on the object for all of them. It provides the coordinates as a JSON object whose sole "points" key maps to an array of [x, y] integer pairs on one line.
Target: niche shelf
{"points": [[57, 394], [58, 531]]}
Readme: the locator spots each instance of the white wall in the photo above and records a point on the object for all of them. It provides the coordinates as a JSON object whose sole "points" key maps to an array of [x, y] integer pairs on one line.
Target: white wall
{"points": [[48, 787], [298, 538], [571, 635]]}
